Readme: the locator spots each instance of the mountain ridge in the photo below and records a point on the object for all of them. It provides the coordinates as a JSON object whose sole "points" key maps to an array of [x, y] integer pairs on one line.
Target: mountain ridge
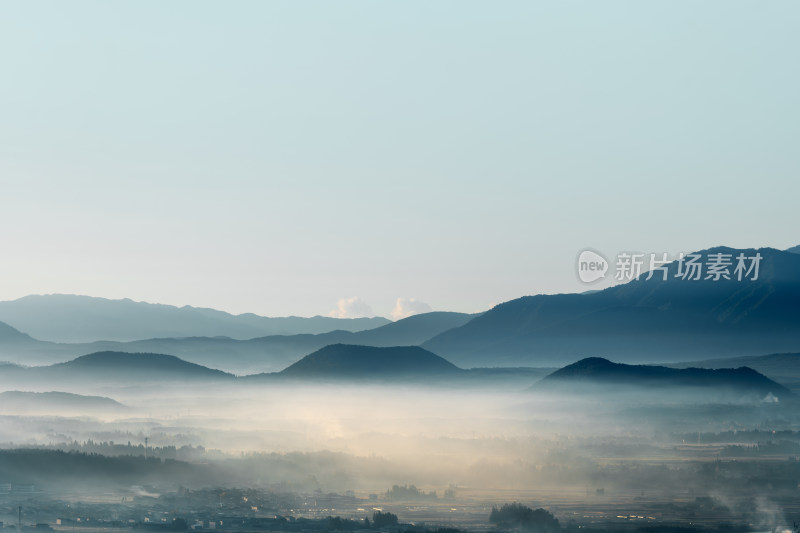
{"points": [[356, 361], [783, 367], [80, 319], [55, 400], [600, 371], [641, 320], [260, 354]]}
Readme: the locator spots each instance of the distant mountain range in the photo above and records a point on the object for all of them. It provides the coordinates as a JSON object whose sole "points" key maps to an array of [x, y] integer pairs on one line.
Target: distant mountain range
{"points": [[409, 365], [642, 320], [261, 354], [54, 402], [338, 362], [596, 371], [404, 364], [131, 365], [782, 367], [11, 337], [354, 362], [104, 369], [81, 319]]}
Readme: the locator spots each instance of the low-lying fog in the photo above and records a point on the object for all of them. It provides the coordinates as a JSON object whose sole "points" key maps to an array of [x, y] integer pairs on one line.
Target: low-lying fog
{"points": [[430, 434], [605, 449]]}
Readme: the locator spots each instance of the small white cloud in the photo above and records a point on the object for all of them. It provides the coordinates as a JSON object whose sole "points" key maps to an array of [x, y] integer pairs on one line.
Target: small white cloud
{"points": [[405, 307], [353, 307]]}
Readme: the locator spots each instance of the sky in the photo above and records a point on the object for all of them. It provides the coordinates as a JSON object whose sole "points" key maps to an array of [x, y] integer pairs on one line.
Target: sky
{"points": [[358, 158]]}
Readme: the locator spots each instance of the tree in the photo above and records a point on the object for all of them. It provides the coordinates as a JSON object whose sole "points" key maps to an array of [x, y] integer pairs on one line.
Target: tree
{"points": [[515, 515], [179, 524], [380, 519]]}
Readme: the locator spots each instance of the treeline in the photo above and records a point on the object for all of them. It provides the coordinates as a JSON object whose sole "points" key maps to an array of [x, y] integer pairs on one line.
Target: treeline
{"points": [[111, 448], [384, 521], [747, 436], [409, 492], [36, 466], [782, 447], [379, 520], [518, 516]]}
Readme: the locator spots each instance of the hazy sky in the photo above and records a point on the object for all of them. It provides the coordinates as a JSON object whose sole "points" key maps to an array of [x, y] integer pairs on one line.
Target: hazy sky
{"points": [[280, 157]]}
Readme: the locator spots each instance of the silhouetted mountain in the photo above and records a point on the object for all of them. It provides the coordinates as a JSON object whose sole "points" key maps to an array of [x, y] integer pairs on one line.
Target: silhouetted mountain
{"points": [[411, 331], [129, 366], [349, 361], [21, 401], [794, 249], [261, 354], [12, 336], [782, 367], [73, 318], [337, 362], [641, 321], [599, 371]]}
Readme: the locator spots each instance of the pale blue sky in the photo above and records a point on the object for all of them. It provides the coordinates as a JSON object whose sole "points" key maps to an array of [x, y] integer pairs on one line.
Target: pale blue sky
{"points": [[277, 157]]}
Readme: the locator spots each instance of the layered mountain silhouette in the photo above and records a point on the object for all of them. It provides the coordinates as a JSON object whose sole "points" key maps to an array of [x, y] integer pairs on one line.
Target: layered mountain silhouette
{"points": [[644, 320], [22, 401], [154, 365], [79, 319], [270, 353], [602, 372], [10, 336], [783, 367], [357, 362], [338, 362], [111, 369], [116, 368], [132, 362]]}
